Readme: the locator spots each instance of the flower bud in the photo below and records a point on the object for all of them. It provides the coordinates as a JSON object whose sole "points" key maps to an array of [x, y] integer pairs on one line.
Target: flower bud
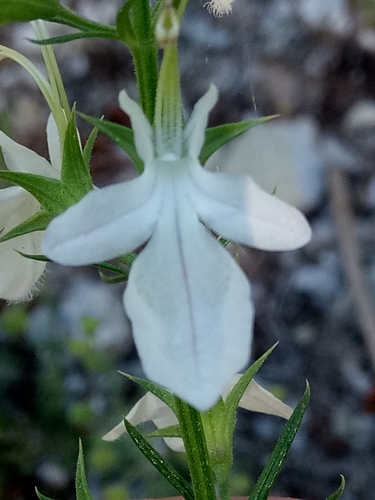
{"points": [[167, 27]]}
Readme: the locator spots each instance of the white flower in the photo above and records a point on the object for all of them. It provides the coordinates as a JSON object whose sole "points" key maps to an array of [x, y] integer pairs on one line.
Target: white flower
{"points": [[150, 407], [219, 7], [187, 299], [19, 276]]}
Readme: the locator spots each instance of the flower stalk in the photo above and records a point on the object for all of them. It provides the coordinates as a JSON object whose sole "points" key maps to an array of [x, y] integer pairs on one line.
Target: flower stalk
{"points": [[192, 432]]}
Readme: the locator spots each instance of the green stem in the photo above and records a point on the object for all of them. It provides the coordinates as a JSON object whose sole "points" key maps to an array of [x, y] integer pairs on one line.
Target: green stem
{"points": [[181, 9], [196, 451], [145, 57], [222, 479], [220, 454]]}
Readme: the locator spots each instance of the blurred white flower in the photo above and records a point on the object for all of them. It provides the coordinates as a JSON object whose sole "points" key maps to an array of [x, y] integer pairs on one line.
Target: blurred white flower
{"points": [[19, 276]]}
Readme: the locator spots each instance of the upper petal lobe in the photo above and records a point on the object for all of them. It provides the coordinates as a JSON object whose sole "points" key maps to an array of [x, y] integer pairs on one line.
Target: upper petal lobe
{"points": [[235, 207], [105, 224]]}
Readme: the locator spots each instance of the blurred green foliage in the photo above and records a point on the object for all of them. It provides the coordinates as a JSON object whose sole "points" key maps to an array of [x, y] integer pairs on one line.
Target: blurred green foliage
{"points": [[54, 389], [368, 10]]}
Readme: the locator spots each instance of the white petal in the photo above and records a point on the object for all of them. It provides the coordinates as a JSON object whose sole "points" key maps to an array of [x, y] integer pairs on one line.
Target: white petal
{"points": [[54, 147], [21, 159], [256, 398], [18, 275], [143, 135], [105, 224], [196, 126], [236, 208], [189, 304], [149, 407]]}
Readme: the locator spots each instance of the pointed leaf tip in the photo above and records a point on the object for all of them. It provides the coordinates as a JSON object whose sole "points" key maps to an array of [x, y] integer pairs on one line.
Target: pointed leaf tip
{"points": [[40, 496], [82, 489], [337, 494]]}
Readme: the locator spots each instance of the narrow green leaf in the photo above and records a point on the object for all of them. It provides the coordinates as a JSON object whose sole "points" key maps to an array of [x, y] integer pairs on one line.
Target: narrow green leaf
{"points": [[270, 472], [40, 496], [82, 489], [216, 137], [74, 36], [173, 431], [124, 26], [337, 494], [145, 57], [28, 10], [158, 391], [37, 222], [87, 150], [74, 171], [121, 135], [233, 399], [74, 20], [40, 258], [169, 472], [51, 194]]}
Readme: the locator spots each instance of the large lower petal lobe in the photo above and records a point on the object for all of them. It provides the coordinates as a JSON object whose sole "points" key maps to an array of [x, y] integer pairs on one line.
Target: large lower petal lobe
{"points": [[235, 207], [105, 224], [18, 276], [189, 304]]}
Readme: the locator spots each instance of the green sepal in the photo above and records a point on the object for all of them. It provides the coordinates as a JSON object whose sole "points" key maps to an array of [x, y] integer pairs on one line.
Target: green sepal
{"points": [[128, 259], [158, 391], [156, 11], [89, 146], [270, 472], [223, 242], [40, 496], [74, 171], [105, 266], [112, 280], [121, 135], [337, 494], [53, 196], [28, 10], [37, 222], [235, 395], [172, 431], [216, 137], [171, 475], [82, 489]]}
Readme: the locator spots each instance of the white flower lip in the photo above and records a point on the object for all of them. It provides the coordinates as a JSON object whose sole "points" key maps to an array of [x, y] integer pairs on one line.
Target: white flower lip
{"points": [[19, 277], [188, 301]]}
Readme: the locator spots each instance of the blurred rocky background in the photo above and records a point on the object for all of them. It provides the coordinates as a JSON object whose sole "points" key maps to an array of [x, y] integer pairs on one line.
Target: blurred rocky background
{"points": [[313, 63]]}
